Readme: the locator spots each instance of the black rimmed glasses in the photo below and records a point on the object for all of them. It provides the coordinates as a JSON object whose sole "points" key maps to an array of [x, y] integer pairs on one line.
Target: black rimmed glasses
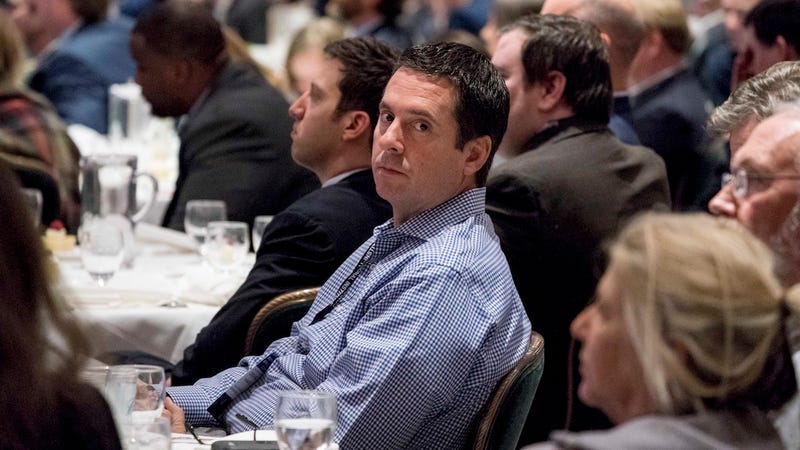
{"points": [[744, 183]]}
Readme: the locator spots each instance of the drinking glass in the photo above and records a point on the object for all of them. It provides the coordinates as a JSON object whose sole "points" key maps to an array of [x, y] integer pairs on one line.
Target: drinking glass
{"points": [[198, 215], [227, 246], [33, 198], [259, 224], [305, 420], [102, 246], [150, 392], [152, 435], [120, 392]]}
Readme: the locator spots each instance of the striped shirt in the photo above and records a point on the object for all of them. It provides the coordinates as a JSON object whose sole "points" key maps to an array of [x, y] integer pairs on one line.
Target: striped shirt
{"points": [[411, 351]]}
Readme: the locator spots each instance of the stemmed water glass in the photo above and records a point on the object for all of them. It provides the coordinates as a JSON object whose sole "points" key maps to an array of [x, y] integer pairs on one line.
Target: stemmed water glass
{"points": [[305, 420], [227, 246], [102, 246], [199, 213], [259, 224]]}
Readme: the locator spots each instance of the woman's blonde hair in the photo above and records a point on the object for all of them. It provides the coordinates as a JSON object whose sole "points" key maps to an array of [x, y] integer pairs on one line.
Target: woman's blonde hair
{"points": [[315, 35], [704, 311], [12, 54]]}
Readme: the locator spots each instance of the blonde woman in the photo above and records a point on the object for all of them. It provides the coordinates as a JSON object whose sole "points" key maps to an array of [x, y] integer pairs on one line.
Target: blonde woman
{"points": [[32, 137], [42, 348], [684, 345]]}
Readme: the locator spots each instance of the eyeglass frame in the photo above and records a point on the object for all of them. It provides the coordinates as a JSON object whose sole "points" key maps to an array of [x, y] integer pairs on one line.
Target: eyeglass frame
{"points": [[740, 181]]}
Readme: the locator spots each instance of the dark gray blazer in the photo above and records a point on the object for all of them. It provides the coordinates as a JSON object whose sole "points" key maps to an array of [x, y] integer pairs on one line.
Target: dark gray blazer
{"points": [[236, 147], [552, 207]]}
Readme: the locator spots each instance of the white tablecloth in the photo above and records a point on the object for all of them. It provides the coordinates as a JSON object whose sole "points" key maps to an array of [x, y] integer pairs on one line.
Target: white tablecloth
{"points": [[126, 313]]}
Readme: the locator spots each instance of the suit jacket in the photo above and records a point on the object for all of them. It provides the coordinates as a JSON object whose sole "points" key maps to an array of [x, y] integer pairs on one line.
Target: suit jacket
{"points": [[670, 117], [552, 207], [236, 147], [76, 76], [301, 248]]}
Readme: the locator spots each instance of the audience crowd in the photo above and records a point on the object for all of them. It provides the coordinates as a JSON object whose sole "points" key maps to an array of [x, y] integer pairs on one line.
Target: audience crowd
{"points": [[620, 176]]}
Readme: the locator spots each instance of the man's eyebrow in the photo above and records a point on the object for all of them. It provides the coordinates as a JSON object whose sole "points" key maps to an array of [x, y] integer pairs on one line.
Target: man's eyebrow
{"points": [[423, 113], [413, 112]]}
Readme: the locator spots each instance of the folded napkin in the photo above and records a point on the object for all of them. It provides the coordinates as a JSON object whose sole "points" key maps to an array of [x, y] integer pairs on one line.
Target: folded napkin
{"points": [[203, 284], [148, 233]]}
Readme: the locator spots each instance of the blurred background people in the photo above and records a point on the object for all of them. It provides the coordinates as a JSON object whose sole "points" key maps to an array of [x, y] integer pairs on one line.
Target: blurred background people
{"points": [[45, 405], [306, 51], [247, 17], [376, 18], [710, 54], [685, 344], [235, 143], [33, 140], [771, 35], [669, 106], [79, 53], [505, 12], [623, 31]]}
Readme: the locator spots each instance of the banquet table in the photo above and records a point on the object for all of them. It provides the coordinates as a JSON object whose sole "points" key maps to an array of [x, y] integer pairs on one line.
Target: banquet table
{"points": [[158, 305]]}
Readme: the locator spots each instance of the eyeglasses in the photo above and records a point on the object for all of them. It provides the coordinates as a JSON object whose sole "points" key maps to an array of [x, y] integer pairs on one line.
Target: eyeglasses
{"points": [[743, 183]]}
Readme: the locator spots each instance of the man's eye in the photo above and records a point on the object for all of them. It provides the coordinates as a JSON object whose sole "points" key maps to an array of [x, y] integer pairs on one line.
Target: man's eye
{"points": [[386, 117], [421, 126]]}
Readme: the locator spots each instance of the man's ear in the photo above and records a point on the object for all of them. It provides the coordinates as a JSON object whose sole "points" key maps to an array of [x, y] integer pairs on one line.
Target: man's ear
{"points": [[787, 52], [552, 94], [606, 40], [477, 152], [357, 123]]}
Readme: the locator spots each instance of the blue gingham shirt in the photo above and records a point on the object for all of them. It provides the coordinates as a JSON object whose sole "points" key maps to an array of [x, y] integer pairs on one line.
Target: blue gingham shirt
{"points": [[411, 352]]}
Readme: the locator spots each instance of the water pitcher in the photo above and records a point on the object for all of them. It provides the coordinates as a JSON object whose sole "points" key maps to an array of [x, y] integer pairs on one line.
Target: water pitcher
{"points": [[108, 189]]}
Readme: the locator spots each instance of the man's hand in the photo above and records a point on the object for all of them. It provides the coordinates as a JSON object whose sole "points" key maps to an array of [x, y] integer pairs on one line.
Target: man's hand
{"points": [[175, 415]]}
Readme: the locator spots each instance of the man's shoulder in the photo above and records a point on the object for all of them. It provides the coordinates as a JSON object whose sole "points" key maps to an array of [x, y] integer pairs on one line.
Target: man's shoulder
{"points": [[101, 48], [347, 200], [560, 154], [101, 39], [242, 80], [240, 93], [461, 246], [682, 91], [578, 163]]}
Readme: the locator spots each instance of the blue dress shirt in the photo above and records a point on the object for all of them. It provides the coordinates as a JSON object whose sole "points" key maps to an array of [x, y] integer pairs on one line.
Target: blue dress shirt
{"points": [[412, 350]]}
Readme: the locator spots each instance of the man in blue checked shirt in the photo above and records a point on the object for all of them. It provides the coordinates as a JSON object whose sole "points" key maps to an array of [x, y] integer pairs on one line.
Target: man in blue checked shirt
{"points": [[414, 330]]}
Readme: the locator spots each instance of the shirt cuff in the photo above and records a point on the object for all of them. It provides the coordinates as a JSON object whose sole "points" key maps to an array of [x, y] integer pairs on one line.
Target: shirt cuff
{"points": [[194, 403]]}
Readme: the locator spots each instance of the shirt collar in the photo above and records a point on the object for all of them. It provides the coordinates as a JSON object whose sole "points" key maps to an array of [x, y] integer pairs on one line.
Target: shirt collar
{"points": [[430, 222], [341, 176], [656, 78]]}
